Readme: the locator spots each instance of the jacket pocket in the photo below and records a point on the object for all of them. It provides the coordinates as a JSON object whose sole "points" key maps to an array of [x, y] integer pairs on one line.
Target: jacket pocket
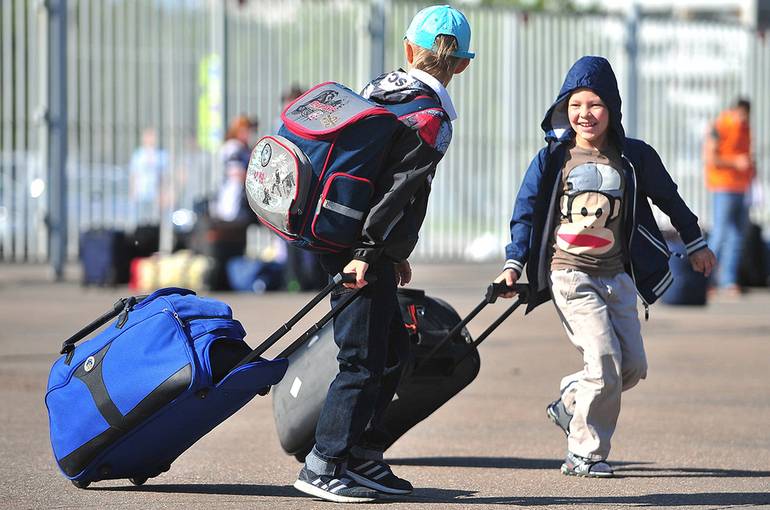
{"points": [[342, 209]]}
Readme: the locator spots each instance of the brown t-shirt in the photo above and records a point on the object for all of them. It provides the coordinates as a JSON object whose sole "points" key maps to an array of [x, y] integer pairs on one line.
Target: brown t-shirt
{"points": [[589, 235]]}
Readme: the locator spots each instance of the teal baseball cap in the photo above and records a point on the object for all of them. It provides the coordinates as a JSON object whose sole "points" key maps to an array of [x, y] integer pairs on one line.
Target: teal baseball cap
{"points": [[441, 20]]}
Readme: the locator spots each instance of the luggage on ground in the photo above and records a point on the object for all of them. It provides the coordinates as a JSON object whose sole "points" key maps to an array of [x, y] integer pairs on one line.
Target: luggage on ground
{"points": [[443, 360], [689, 287], [104, 257], [128, 402], [752, 270], [180, 269], [246, 274]]}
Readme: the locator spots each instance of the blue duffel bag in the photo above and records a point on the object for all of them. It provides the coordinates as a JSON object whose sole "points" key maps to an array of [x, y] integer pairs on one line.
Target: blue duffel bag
{"points": [[128, 402]]}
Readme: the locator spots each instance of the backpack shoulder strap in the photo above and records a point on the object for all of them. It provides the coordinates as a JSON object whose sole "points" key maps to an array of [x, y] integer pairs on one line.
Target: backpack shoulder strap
{"points": [[417, 104]]}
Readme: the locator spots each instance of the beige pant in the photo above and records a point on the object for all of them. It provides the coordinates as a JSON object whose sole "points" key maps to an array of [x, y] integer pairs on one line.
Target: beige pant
{"points": [[600, 317]]}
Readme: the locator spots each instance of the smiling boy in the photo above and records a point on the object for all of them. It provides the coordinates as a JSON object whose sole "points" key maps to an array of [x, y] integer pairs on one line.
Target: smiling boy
{"points": [[583, 226]]}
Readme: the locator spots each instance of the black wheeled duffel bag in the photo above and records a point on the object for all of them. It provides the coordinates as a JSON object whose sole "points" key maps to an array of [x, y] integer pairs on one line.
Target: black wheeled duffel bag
{"points": [[444, 359]]}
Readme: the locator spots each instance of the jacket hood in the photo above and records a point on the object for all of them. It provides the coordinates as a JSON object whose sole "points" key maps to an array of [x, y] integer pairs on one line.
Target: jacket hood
{"points": [[594, 73]]}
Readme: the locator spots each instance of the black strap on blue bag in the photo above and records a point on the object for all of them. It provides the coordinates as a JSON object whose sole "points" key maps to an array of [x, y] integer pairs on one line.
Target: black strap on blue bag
{"points": [[120, 308]]}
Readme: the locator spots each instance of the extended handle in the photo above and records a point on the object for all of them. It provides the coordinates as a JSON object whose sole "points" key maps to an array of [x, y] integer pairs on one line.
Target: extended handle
{"points": [[494, 291], [338, 279]]}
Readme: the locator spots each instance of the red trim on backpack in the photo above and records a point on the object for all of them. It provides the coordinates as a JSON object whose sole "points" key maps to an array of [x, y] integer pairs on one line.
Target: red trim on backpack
{"points": [[309, 212], [284, 235], [300, 130], [296, 177], [323, 196]]}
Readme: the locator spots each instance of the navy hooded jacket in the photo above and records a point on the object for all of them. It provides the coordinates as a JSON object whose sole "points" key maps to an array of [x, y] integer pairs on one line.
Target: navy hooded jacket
{"points": [[534, 214]]}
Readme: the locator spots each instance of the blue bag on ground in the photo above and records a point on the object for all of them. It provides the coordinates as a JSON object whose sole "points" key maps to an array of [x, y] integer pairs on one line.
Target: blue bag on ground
{"points": [[689, 286], [129, 401]]}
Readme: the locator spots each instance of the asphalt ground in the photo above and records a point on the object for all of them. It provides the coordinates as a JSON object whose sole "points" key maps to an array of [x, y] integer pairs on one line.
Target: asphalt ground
{"points": [[693, 435]]}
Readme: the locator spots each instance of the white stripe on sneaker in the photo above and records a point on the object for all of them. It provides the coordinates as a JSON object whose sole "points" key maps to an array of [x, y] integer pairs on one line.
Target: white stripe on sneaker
{"points": [[373, 470], [307, 488]]}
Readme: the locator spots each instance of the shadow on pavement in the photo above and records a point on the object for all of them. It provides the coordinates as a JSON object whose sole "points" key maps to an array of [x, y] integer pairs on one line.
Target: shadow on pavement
{"points": [[622, 469], [479, 462], [231, 489], [721, 499], [466, 497]]}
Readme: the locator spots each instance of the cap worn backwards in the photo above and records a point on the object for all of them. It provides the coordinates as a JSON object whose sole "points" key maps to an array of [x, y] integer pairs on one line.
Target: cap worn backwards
{"points": [[441, 20]]}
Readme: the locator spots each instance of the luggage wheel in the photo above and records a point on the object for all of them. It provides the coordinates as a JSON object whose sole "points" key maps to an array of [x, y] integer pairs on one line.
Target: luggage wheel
{"points": [[79, 484], [138, 480]]}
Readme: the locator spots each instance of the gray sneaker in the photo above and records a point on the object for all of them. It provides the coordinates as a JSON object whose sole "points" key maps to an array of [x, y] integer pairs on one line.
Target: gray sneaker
{"points": [[332, 488], [575, 465], [558, 414]]}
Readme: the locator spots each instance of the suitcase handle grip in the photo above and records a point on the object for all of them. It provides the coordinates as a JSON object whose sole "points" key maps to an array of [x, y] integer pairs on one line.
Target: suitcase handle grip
{"points": [[493, 292], [120, 306]]}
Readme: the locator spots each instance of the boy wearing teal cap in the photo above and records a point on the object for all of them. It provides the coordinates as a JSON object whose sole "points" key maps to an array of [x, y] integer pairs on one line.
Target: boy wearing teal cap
{"points": [[346, 464]]}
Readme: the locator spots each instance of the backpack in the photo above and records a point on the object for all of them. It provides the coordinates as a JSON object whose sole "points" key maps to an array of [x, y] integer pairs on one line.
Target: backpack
{"points": [[314, 182]]}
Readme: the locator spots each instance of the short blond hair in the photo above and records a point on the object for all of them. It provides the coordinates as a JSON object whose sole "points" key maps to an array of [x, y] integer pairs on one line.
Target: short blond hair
{"points": [[439, 61]]}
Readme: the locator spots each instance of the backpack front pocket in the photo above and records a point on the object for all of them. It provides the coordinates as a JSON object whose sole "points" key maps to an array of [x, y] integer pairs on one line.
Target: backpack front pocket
{"points": [[342, 209]]}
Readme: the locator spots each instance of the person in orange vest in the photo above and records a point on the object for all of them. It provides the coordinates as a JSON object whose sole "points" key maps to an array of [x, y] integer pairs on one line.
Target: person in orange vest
{"points": [[729, 172]]}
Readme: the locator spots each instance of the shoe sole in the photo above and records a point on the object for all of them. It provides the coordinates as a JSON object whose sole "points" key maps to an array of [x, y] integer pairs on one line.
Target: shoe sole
{"points": [[374, 485], [566, 471], [551, 416], [328, 496]]}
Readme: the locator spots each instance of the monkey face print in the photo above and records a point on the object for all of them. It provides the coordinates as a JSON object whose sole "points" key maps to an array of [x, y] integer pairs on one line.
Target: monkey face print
{"points": [[591, 201]]}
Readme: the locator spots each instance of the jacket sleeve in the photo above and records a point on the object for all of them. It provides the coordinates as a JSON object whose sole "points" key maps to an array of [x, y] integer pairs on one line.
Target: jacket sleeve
{"points": [[656, 183], [409, 165], [517, 252]]}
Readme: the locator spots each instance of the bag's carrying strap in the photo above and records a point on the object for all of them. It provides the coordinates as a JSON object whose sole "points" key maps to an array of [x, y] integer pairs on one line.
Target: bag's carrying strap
{"points": [[493, 292], [121, 307], [338, 279]]}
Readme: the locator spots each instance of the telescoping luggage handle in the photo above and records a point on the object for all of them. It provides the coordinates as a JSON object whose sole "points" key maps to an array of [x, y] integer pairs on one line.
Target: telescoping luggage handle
{"points": [[338, 279], [123, 305], [493, 292]]}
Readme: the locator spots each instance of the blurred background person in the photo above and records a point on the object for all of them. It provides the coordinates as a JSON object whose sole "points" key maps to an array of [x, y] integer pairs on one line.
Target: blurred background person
{"points": [[147, 170], [231, 204], [729, 172]]}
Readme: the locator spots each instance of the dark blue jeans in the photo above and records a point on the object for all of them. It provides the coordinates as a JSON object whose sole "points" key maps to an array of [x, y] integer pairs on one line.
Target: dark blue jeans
{"points": [[374, 346]]}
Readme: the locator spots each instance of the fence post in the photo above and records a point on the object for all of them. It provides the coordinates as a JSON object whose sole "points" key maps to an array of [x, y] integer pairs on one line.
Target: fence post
{"points": [[55, 156], [632, 75], [377, 38]]}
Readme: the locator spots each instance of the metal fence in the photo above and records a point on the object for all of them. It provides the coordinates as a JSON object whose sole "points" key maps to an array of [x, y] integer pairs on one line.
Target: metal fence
{"points": [[184, 67]]}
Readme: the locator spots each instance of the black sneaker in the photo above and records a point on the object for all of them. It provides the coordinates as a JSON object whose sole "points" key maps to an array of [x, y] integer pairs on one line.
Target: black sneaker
{"points": [[377, 475], [331, 488], [575, 465], [558, 414]]}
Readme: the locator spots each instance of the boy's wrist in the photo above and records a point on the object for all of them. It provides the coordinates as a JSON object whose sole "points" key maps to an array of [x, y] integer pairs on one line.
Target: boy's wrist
{"points": [[517, 266], [695, 245]]}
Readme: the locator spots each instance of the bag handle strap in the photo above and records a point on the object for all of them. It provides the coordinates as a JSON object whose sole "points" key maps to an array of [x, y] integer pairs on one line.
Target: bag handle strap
{"points": [[121, 307], [493, 292]]}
